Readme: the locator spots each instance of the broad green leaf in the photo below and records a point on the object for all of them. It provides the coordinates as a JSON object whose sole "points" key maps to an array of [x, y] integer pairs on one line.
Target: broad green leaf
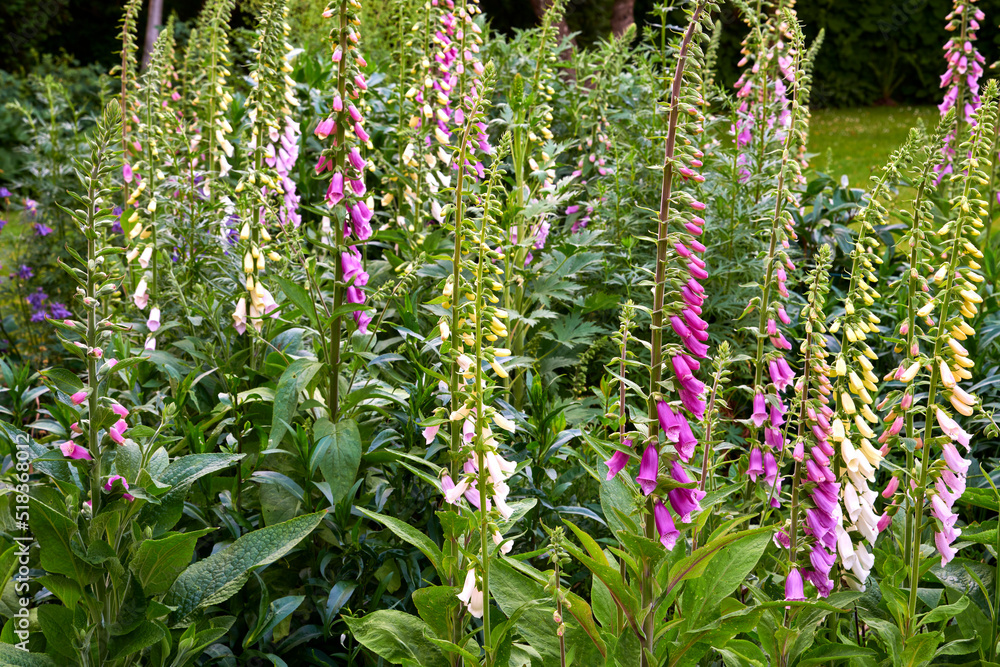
{"points": [[277, 503], [296, 378], [411, 535], [57, 468], [63, 380], [158, 562], [68, 591], [723, 574], [575, 605], [919, 650], [300, 297], [695, 564], [983, 533], [616, 495], [221, 575], [742, 653], [887, 632], [180, 475], [961, 646], [339, 595], [513, 590], [147, 634], [944, 612], [56, 622], [435, 604], [55, 532], [277, 612], [8, 563], [610, 577], [977, 497], [832, 654], [397, 637], [14, 657], [337, 454]]}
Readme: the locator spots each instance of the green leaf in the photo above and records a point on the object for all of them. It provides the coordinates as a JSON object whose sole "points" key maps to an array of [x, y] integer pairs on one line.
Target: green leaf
{"points": [[158, 562], [919, 650], [695, 564], [56, 622], [831, 654], [300, 297], [180, 475], [147, 634], [68, 591], [610, 577], [397, 637], [435, 604], [55, 533], [63, 380], [977, 497], [513, 590], [14, 657], [944, 612], [960, 646], [411, 535], [296, 378], [277, 611], [337, 454], [723, 574], [617, 495], [742, 653], [575, 605], [222, 575]]}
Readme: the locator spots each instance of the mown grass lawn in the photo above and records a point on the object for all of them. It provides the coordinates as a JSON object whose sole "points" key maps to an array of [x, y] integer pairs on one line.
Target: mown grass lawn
{"points": [[856, 142]]}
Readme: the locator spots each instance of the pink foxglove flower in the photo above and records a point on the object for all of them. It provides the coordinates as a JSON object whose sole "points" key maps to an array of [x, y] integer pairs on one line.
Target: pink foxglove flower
{"points": [[649, 469], [665, 526], [71, 450]]}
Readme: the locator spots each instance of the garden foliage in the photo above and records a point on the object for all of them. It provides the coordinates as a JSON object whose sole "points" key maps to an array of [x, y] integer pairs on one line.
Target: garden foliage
{"points": [[502, 352]]}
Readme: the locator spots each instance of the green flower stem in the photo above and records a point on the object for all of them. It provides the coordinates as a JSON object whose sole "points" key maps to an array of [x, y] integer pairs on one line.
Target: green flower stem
{"points": [[910, 509], [656, 336], [333, 398]]}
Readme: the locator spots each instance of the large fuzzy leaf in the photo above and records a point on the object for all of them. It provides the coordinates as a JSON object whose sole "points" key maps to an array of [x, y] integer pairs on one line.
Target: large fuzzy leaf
{"points": [[222, 575]]}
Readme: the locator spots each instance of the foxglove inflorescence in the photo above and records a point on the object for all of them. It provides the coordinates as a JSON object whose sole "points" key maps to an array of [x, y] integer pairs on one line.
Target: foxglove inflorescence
{"points": [[345, 194], [856, 386], [679, 265], [954, 302], [961, 77], [773, 375], [269, 100]]}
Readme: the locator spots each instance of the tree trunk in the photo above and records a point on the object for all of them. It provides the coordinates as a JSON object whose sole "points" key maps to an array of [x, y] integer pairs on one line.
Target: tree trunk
{"points": [[153, 21], [622, 16]]}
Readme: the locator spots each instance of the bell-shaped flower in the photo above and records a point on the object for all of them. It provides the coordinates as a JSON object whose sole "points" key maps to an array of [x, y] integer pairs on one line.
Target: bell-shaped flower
{"points": [[793, 586], [756, 466], [618, 461], [110, 484], [71, 450], [759, 415], [649, 469], [471, 596], [665, 526]]}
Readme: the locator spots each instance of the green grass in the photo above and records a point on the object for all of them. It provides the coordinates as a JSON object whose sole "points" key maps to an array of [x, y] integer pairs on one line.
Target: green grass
{"points": [[856, 142], [15, 227]]}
